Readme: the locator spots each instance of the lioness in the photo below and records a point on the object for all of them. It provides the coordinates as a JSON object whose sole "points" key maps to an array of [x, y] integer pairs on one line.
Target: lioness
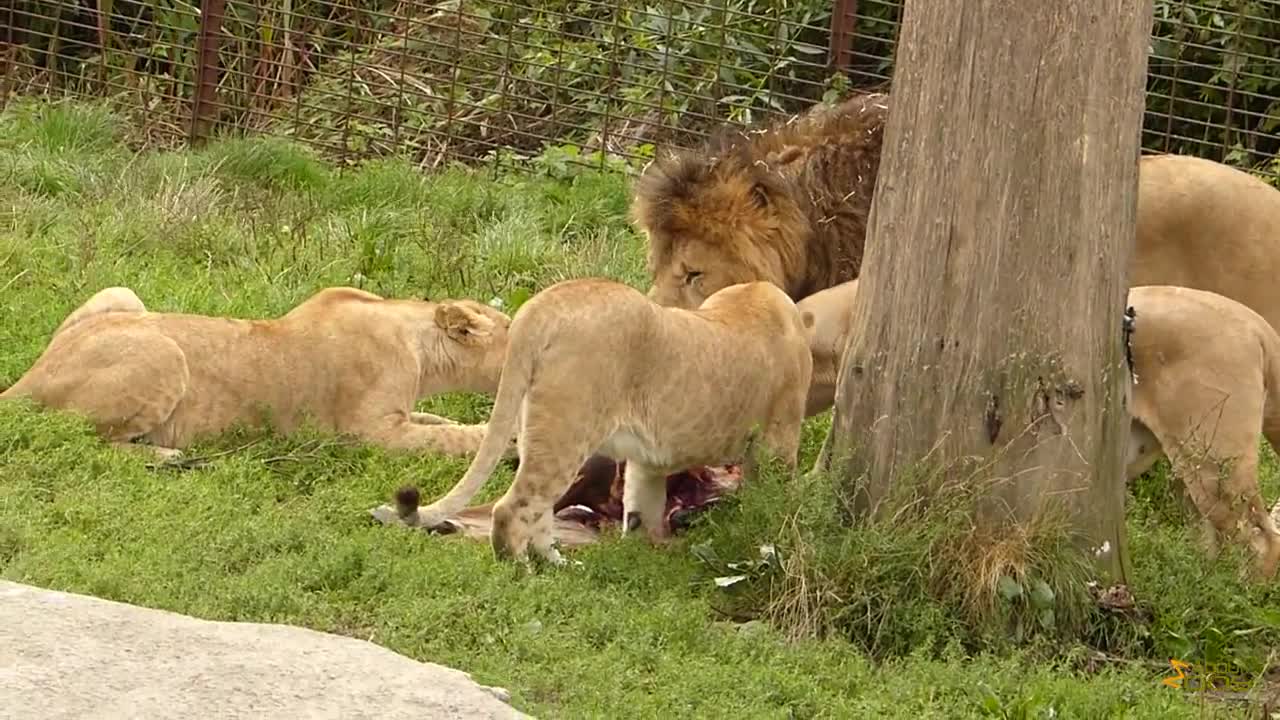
{"points": [[594, 365], [1208, 382], [790, 204], [345, 359]]}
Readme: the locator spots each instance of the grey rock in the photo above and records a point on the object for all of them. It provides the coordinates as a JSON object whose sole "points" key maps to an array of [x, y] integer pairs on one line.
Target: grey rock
{"points": [[64, 655]]}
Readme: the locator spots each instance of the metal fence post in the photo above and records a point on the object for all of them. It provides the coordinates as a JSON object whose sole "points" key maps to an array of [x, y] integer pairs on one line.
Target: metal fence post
{"points": [[7, 54], [844, 19], [204, 96]]}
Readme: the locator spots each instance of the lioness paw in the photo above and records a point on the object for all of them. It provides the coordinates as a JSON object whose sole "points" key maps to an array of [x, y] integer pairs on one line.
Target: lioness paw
{"points": [[553, 557]]}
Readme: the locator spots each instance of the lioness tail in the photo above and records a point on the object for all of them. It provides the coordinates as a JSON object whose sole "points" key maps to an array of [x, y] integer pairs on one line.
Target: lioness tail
{"points": [[503, 424]]}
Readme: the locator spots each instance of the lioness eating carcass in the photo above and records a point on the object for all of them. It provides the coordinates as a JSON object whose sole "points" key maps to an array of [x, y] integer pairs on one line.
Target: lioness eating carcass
{"points": [[347, 360], [1208, 383], [594, 365]]}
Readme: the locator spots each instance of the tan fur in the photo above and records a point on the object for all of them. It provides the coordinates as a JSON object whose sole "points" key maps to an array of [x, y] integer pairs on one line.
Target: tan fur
{"points": [[789, 205], [1208, 371], [345, 360], [832, 324], [1208, 226], [595, 366], [1208, 382]]}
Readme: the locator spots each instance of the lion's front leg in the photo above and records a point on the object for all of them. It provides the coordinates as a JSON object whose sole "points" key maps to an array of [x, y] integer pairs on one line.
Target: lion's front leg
{"points": [[779, 439], [159, 451], [450, 438], [644, 501], [421, 418]]}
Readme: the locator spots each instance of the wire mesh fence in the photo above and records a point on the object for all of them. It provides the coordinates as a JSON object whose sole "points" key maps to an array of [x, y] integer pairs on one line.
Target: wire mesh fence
{"points": [[564, 80]]}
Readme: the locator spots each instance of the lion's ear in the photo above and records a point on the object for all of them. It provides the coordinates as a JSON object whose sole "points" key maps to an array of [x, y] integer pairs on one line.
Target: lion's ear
{"points": [[760, 196], [461, 323]]}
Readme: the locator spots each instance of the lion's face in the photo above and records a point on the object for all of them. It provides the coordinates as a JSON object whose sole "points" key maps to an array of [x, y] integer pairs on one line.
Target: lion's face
{"points": [[715, 222], [696, 268]]}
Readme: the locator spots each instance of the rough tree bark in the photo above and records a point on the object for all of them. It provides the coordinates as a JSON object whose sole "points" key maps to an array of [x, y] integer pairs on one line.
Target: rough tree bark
{"points": [[988, 323]]}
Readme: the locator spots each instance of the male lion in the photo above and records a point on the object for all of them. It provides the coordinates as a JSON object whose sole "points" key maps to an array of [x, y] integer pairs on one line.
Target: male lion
{"points": [[346, 359], [1208, 382], [789, 204], [590, 368]]}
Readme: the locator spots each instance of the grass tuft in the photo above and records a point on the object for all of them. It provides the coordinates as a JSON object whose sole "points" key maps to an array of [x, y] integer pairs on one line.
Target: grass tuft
{"points": [[63, 128], [266, 162]]}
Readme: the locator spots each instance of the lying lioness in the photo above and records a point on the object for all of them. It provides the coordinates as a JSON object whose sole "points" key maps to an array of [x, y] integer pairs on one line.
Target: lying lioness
{"points": [[595, 366], [1208, 382], [345, 359]]}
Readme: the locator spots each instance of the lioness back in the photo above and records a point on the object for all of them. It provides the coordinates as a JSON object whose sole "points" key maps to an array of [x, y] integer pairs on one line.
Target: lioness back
{"points": [[205, 373], [679, 374]]}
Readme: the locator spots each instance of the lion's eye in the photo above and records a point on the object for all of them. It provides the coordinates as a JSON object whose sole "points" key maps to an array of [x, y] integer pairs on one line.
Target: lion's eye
{"points": [[691, 277]]}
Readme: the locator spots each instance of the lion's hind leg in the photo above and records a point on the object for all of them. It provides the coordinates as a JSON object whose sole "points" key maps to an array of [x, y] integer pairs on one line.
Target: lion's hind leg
{"points": [[129, 399], [777, 440], [551, 451], [112, 299], [1216, 458]]}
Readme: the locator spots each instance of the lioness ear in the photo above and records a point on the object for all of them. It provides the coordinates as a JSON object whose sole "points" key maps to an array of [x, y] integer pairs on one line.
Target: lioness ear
{"points": [[806, 317], [461, 323]]}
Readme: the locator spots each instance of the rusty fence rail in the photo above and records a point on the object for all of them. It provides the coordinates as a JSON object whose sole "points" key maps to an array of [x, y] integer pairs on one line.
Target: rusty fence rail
{"points": [[573, 80]]}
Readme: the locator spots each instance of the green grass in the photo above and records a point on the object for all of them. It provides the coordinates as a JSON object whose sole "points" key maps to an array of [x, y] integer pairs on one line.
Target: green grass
{"points": [[278, 532]]}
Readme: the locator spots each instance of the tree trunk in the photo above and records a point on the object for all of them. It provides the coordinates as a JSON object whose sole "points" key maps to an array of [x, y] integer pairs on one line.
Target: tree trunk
{"points": [[988, 322]]}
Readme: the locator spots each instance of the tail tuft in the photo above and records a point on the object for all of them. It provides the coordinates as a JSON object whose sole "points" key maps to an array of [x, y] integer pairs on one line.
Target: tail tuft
{"points": [[407, 500]]}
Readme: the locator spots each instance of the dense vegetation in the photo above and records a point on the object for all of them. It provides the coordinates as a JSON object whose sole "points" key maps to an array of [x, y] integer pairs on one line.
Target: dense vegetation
{"points": [[474, 79]]}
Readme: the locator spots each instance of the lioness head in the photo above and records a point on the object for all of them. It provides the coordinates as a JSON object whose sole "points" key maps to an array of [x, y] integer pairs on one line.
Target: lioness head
{"points": [[714, 221], [476, 339]]}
